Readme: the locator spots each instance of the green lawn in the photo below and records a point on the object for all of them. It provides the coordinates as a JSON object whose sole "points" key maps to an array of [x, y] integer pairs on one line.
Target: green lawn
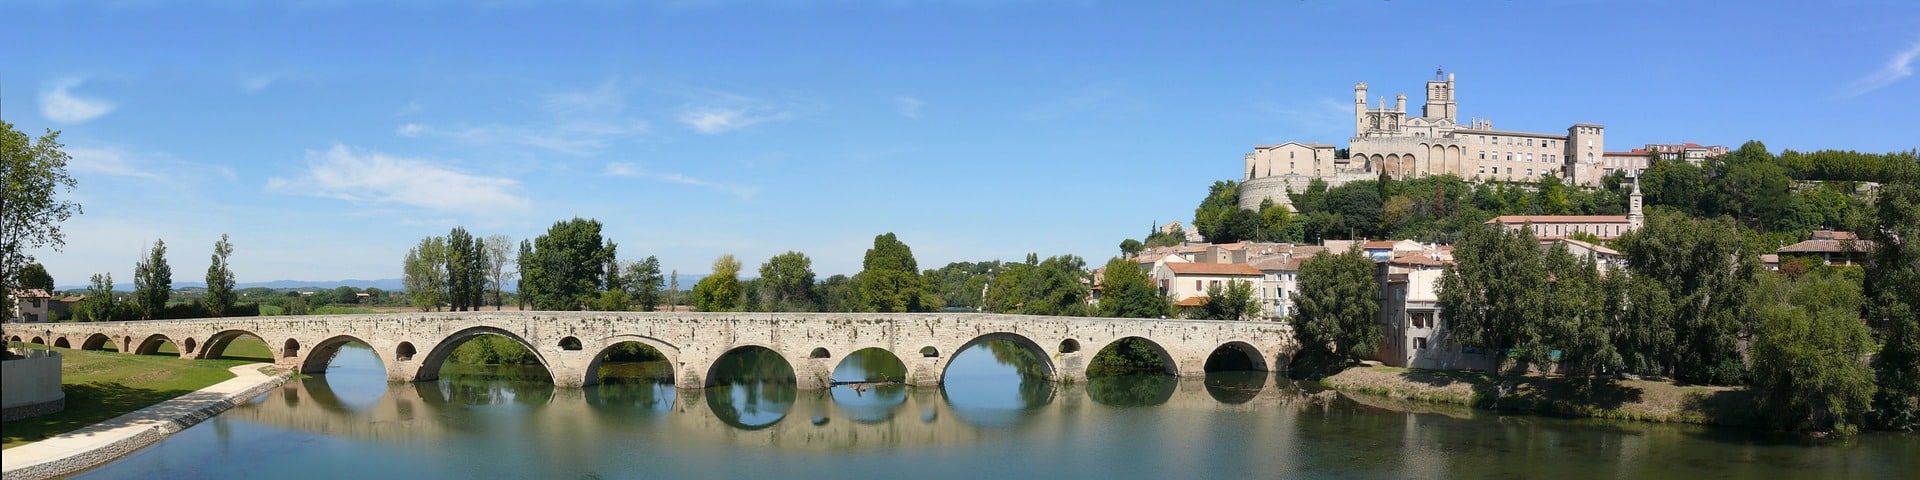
{"points": [[103, 385]]}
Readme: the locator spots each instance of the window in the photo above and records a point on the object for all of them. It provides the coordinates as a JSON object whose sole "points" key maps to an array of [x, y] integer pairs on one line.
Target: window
{"points": [[1419, 343], [1509, 170], [1529, 172], [1483, 154], [1196, 284], [1211, 284]]}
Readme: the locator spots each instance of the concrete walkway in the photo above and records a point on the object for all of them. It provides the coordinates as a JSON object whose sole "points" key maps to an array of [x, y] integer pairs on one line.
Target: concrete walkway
{"points": [[105, 441]]}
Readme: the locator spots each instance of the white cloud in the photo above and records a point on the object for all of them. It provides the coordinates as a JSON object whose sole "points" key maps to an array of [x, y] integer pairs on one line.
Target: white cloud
{"points": [[907, 106], [107, 161], [152, 167], [60, 105], [608, 97], [410, 130], [258, 83], [630, 170], [576, 137], [373, 177], [1897, 68], [717, 120]]}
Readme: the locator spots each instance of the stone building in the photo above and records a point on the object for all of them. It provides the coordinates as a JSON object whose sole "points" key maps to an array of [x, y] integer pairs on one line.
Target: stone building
{"points": [[1386, 140]]}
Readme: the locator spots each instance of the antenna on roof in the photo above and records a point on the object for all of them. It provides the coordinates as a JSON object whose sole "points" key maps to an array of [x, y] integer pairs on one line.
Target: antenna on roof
{"points": [[1440, 73]]}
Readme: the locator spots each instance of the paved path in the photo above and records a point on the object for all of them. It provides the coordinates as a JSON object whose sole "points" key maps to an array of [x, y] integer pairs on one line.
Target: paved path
{"points": [[105, 441]]}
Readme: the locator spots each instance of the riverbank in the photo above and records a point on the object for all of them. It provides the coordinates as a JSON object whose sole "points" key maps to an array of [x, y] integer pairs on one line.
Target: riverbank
{"points": [[103, 442], [1638, 400], [101, 385]]}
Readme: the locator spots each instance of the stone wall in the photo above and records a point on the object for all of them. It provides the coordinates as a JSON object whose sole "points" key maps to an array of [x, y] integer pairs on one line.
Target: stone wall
{"points": [[31, 385], [413, 346]]}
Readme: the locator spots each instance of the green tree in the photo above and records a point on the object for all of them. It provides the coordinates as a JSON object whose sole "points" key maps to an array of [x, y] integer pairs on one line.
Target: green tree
{"points": [[565, 269], [220, 279], [498, 250], [1334, 312], [424, 278], [1131, 247], [1892, 286], [720, 291], [1574, 319], [98, 305], [1233, 302], [466, 264], [1493, 293], [1222, 200], [890, 278], [153, 281], [32, 175], [1807, 357], [786, 284], [1040, 287], [1127, 292], [1707, 272], [643, 283], [35, 276], [841, 293]]}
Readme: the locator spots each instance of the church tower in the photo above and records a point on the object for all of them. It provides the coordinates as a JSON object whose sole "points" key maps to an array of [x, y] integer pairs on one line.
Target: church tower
{"points": [[1635, 218], [1360, 109], [1440, 98]]}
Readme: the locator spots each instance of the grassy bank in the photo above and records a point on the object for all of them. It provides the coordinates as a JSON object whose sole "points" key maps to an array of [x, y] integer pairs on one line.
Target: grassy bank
{"points": [[1640, 400], [103, 385]]}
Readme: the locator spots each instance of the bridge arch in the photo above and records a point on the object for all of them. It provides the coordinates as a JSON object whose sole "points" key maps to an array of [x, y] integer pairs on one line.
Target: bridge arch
{"points": [[708, 378], [869, 359], [592, 374], [1236, 356], [436, 358], [1041, 357], [62, 342], [1168, 364], [97, 341], [321, 354], [152, 344], [217, 343], [38, 341]]}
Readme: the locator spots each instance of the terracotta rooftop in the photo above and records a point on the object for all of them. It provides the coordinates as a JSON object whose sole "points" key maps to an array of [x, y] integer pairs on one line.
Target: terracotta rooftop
{"points": [[1829, 246], [1519, 219], [31, 293], [1212, 269], [1416, 260], [1192, 302]]}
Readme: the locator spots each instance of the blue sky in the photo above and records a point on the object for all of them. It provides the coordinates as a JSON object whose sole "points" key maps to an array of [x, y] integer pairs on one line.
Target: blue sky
{"points": [[327, 137]]}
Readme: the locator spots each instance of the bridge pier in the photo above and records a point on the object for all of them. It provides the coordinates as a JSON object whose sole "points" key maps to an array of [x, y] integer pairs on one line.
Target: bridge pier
{"points": [[412, 346]]}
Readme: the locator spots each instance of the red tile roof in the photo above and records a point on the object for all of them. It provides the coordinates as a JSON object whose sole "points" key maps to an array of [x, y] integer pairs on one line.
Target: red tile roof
{"points": [[1520, 219], [1213, 269]]}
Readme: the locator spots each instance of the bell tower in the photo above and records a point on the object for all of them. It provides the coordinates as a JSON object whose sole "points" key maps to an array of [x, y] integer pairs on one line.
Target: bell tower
{"points": [[1360, 109], [1440, 98]]}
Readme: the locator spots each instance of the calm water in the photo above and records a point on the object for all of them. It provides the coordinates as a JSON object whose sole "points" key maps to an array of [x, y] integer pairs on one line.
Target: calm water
{"points": [[987, 422]]}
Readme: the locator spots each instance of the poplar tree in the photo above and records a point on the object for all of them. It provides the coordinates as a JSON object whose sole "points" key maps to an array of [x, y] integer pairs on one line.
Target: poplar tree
{"points": [[565, 268], [153, 281], [425, 276], [220, 279]]}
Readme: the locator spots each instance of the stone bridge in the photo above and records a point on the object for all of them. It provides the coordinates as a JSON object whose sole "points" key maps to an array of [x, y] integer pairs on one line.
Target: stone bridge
{"points": [[413, 346]]}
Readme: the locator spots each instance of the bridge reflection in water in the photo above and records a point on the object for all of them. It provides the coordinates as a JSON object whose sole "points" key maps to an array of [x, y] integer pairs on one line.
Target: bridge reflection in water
{"points": [[569, 422]]}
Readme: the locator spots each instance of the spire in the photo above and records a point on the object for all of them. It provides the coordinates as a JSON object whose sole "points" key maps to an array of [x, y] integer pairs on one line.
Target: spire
{"points": [[1635, 217]]}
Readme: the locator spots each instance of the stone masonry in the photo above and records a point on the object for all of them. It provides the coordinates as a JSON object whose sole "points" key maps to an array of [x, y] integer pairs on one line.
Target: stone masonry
{"points": [[413, 346]]}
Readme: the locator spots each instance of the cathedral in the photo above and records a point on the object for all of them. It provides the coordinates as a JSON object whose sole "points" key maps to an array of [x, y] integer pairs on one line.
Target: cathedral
{"points": [[1386, 140]]}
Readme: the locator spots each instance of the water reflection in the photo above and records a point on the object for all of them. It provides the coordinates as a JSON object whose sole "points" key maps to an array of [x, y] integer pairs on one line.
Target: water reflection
{"points": [[1135, 390], [751, 388], [997, 383], [501, 424]]}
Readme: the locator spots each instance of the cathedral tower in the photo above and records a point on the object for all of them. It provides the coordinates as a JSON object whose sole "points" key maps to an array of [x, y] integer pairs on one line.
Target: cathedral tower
{"points": [[1440, 98]]}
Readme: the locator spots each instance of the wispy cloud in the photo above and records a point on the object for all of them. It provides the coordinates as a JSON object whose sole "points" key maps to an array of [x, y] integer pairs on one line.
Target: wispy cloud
{"points": [[907, 106], [254, 84], [607, 97], [631, 170], [1897, 68], [714, 112], [118, 162], [718, 120], [576, 137], [61, 105], [1087, 99], [107, 161], [410, 130], [374, 177]]}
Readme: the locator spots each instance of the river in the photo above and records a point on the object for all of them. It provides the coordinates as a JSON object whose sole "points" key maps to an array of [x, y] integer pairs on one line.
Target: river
{"points": [[988, 421]]}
